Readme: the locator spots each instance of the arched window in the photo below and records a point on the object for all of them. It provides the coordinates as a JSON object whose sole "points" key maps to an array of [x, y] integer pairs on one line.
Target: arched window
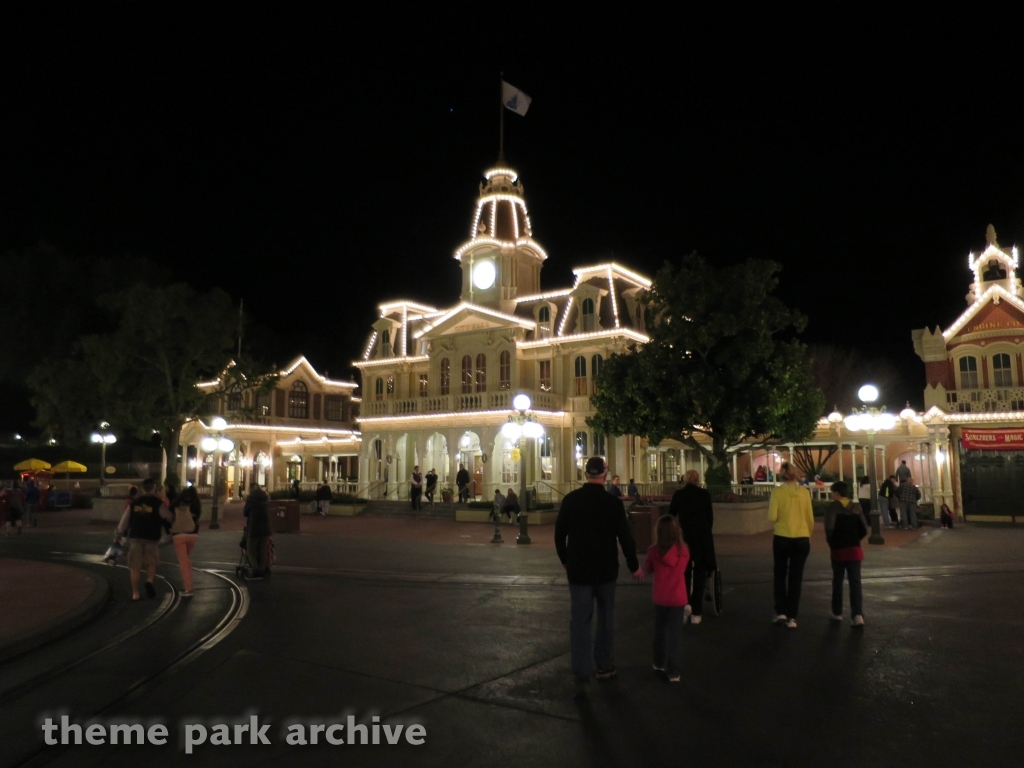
{"points": [[391, 387], [544, 320], [505, 370], [467, 375], [599, 444], [1002, 373], [968, 372], [385, 342], [298, 401], [589, 319], [378, 389], [446, 376], [596, 362], [377, 468], [481, 372], [581, 376], [582, 451], [993, 271]]}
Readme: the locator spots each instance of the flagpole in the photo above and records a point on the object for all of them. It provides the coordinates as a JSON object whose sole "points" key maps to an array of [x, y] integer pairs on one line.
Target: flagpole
{"points": [[501, 117]]}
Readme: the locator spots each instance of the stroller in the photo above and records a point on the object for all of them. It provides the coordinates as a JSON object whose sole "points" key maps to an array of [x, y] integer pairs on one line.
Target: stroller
{"points": [[245, 567]]}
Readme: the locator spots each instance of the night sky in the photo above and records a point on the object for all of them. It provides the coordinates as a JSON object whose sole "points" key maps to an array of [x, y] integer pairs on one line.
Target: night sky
{"points": [[316, 165]]}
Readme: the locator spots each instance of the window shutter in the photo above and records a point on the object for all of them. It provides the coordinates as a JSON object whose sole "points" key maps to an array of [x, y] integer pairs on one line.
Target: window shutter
{"points": [[279, 403], [316, 406]]}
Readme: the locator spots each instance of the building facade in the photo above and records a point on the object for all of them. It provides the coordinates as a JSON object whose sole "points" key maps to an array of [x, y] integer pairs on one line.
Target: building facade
{"points": [[301, 430], [974, 396], [438, 382]]}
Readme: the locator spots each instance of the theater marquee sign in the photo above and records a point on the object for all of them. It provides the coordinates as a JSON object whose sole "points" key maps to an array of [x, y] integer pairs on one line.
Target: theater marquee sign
{"points": [[993, 439]]}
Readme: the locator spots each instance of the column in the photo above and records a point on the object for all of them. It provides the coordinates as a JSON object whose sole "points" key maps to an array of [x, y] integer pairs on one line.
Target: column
{"points": [[839, 450], [790, 447], [199, 464], [885, 468], [735, 472]]}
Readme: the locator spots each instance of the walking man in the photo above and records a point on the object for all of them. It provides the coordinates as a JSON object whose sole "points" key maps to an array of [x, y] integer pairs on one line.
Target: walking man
{"points": [[589, 524], [416, 487], [431, 486], [146, 520], [908, 495], [323, 499], [462, 481], [257, 529]]}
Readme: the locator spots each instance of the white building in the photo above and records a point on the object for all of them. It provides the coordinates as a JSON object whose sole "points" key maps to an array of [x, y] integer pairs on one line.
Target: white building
{"points": [[437, 382]]}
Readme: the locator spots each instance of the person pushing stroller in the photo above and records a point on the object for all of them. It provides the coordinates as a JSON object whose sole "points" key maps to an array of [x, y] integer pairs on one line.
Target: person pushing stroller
{"points": [[257, 529]]}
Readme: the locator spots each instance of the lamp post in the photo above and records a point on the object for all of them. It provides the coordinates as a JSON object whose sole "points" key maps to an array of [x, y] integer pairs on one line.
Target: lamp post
{"points": [[216, 444], [519, 428], [870, 420], [104, 439]]}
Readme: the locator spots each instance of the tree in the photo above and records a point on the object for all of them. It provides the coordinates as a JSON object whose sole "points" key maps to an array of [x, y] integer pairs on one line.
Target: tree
{"points": [[839, 372], [721, 364]]}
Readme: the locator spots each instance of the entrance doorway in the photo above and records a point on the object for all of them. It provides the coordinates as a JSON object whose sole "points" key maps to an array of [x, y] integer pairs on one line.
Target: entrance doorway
{"points": [[993, 483]]}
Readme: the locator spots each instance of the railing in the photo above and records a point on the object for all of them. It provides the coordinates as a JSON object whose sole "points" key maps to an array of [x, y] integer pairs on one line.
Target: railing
{"points": [[475, 401]]}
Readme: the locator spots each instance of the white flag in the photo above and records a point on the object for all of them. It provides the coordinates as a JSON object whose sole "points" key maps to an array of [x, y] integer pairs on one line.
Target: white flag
{"points": [[514, 99]]}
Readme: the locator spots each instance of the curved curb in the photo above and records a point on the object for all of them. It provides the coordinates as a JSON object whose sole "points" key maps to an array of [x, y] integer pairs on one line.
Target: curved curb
{"points": [[60, 626]]}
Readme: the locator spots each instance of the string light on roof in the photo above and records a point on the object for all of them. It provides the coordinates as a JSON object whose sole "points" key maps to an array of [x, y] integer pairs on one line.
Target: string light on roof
{"points": [[624, 332], [522, 242], [565, 316], [542, 296], [391, 361], [500, 171], [611, 296], [541, 414], [369, 347]]}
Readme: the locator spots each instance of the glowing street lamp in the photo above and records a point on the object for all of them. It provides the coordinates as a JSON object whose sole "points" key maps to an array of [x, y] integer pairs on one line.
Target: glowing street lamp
{"points": [[871, 420], [520, 425], [104, 439], [216, 444]]}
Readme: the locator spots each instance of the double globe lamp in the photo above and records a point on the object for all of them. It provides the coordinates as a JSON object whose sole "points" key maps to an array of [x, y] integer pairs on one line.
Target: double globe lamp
{"points": [[103, 439], [216, 444], [869, 420], [520, 426]]}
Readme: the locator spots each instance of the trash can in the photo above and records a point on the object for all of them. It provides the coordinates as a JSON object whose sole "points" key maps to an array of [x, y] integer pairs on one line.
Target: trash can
{"points": [[284, 515], [530, 499], [642, 522]]}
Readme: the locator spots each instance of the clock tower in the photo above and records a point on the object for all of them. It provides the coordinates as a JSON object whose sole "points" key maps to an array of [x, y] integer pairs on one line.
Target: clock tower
{"points": [[501, 261]]}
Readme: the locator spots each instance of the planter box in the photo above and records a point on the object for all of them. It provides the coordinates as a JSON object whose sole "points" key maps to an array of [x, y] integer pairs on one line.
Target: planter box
{"points": [[742, 518]]}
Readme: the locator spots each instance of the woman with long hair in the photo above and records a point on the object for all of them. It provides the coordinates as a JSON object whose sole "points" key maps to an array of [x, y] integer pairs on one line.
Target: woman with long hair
{"points": [[667, 559], [790, 509]]}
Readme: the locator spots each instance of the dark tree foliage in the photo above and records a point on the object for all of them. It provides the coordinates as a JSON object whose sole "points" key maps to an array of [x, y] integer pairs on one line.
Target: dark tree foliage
{"points": [[721, 363]]}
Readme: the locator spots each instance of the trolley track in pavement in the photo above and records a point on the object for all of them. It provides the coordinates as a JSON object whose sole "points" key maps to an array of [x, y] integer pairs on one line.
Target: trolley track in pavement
{"points": [[106, 656]]}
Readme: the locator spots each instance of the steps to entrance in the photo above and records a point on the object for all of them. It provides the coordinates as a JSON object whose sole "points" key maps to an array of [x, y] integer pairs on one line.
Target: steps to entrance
{"points": [[401, 508]]}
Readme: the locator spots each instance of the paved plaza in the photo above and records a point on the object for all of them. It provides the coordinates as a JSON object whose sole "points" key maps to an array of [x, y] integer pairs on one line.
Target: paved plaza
{"points": [[424, 622]]}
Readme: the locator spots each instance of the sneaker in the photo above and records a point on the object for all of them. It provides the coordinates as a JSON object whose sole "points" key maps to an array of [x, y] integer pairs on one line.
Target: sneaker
{"points": [[150, 589], [695, 619], [187, 593], [791, 623], [837, 617], [780, 619], [674, 679], [656, 668], [858, 621], [603, 673]]}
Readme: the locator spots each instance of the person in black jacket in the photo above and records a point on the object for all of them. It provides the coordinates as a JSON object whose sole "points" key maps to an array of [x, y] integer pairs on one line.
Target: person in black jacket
{"points": [[462, 481], [845, 526], [323, 499], [589, 524], [691, 506], [145, 520], [257, 528]]}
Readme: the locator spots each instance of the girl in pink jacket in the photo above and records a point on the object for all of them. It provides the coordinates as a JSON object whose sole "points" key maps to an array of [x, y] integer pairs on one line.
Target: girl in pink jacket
{"points": [[667, 560]]}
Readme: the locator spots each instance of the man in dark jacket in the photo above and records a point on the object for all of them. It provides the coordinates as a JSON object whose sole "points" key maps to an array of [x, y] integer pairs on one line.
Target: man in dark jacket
{"points": [[589, 523], [691, 506], [323, 499], [257, 529], [888, 503], [462, 481], [147, 518]]}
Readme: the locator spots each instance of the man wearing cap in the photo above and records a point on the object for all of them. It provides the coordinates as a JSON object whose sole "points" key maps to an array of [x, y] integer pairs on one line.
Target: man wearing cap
{"points": [[591, 525]]}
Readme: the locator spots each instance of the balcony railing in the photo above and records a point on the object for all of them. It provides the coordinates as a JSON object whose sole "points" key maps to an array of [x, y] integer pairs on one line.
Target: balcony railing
{"points": [[477, 401]]}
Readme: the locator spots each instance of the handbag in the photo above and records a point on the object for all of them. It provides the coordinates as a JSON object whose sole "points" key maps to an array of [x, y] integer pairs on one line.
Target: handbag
{"points": [[183, 522]]}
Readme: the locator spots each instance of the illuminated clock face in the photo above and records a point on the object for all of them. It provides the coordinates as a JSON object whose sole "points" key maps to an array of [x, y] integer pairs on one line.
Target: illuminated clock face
{"points": [[483, 274]]}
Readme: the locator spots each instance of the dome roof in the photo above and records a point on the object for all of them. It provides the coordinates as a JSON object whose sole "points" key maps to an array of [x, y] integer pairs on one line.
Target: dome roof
{"points": [[500, 216]]}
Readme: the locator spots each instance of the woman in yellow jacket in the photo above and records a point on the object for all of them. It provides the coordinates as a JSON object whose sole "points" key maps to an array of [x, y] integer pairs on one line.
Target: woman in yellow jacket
{"points": [[790, 510]]}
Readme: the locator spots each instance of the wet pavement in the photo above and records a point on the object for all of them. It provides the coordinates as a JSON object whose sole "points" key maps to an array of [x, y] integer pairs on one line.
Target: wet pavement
{"points": [[471, 641]]}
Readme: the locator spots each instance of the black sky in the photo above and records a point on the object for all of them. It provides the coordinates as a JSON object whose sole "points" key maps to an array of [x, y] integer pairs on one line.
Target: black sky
{"points": [[318, 164]]}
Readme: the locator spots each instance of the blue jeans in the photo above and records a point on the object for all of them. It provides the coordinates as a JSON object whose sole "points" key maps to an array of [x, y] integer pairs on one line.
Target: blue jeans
{"points": [[668, 637], [582, 649]]}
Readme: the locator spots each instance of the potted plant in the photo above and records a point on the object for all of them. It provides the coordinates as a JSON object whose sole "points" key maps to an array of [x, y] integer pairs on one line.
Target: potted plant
{"points": [[447, 494]]}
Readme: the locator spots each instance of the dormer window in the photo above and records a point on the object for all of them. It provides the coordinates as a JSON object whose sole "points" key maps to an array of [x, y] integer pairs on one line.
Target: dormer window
{"points": [[385, 342], [235, 400], [298, 401], [589, 322], [544, 320]]}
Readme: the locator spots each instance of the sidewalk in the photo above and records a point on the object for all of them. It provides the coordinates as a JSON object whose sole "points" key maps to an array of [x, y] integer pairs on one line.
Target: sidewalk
{"points": [[41, 601]]}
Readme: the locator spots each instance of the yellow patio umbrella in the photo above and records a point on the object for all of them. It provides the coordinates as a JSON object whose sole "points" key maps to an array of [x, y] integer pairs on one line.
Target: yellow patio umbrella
{"points": [[69, 466], [31, 465]]}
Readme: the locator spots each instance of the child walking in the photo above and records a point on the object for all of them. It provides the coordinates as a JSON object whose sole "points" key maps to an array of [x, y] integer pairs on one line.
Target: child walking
{"points": [[667, 560], [845, 526]]}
